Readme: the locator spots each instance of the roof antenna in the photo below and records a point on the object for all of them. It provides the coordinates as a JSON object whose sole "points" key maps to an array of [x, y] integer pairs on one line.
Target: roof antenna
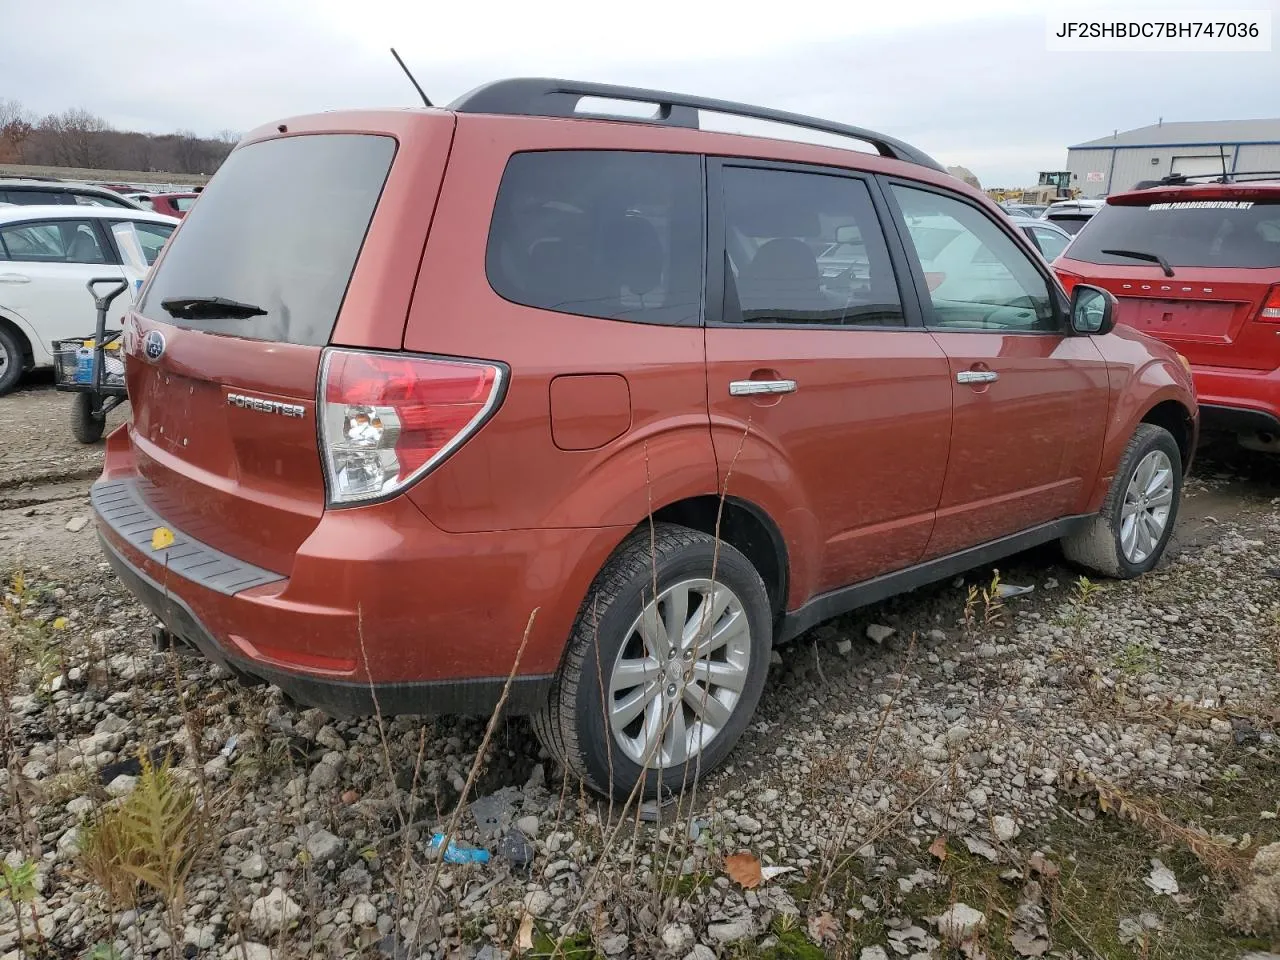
{"points": [[1222, 152], [425, 101]]}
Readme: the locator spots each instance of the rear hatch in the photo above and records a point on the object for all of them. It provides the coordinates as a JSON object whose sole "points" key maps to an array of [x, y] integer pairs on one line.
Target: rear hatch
{"points": [[286, 252], [1218, 308]]}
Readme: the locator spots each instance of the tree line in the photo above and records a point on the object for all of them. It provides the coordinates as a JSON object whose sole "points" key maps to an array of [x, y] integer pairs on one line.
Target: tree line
{"points": [[78, 138]]}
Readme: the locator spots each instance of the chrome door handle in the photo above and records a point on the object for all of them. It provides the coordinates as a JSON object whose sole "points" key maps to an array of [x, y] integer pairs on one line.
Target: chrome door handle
{"points": [[977, 376], [14, 278], [751, 388]]}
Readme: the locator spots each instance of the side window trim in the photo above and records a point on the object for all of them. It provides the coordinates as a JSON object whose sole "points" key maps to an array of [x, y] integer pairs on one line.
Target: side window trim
{"points": [[717, 250], [916, 271]]}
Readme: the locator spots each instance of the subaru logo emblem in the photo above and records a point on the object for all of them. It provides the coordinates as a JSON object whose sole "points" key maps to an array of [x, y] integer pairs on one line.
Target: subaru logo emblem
{"points": [[153, 345]]}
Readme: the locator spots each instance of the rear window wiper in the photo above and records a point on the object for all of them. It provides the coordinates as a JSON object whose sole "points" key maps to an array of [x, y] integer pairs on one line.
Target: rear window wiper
{"points": [[210, 308], [1139, 255]]}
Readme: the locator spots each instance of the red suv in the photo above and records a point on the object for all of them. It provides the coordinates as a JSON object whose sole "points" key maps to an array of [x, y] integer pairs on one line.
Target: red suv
{"points": [[431, 398], [1198, 265]]}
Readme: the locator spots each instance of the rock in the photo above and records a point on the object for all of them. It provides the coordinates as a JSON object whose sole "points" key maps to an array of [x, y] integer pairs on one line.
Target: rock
{"points": [[324, 846], [731, 932], [538, 902], [1005, 828], [1255, 908], [700, 952], [79, 806], [122, 785], [323, 776], [364, 913], [958, 734], [69, 844], [677, 937], [200, 937], [528, 826], [960, 922], [254, 867], [614, 945], [873, 953], [253, 951], [76, 524], [844, 647], [747, 824], [878, 633], [276, 911]]}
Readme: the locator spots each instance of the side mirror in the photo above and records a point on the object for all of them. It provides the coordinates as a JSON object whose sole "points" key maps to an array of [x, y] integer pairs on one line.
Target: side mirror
{"points": [[1093, 311], [848, 234]]}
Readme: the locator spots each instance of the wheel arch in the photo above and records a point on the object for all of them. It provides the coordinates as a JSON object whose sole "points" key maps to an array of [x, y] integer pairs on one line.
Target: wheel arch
{"points": [[10, 325], [743, 525], [1180, 422]]}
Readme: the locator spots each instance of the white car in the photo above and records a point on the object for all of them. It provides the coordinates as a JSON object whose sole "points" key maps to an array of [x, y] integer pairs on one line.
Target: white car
{"points": [[47, 255]]}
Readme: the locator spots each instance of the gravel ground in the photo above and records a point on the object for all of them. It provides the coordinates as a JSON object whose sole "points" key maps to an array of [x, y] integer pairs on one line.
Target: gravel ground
{"points": [[901, 758]]}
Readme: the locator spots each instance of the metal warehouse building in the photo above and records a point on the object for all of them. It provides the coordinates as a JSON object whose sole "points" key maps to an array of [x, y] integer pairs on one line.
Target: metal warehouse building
{"points": [[1116, 163]]}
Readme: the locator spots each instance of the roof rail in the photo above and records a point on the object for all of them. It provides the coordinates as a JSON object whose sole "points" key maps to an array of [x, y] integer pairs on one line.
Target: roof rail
{"points": [[1191, 179], [545, 97]]}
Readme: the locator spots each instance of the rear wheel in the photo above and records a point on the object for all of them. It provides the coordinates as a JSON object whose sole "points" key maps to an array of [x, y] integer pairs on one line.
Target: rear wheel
{"points": [[1129, 534], [84, 425], [665, 665], [12, 360]]}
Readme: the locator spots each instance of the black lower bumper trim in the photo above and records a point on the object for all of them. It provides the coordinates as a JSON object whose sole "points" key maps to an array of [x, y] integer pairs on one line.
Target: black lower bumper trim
{"points": [[339, 698], [1238, 419]]}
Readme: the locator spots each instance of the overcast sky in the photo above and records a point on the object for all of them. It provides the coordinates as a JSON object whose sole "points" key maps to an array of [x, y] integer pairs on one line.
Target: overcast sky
{"points": [[968, 81]]}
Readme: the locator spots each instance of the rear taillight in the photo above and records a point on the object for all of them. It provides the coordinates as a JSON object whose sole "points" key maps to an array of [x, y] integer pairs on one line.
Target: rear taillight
{"points": [[387, 419], [1270, 312], [1068, 280]]}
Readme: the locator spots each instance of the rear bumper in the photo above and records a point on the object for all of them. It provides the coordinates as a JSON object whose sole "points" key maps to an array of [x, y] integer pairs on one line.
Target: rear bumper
{"points": [[1238, 401], [381, 611]]}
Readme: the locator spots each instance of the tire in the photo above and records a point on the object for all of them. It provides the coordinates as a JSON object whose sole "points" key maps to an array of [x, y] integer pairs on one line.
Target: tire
{"points": [[1103, 545], [84, 425], [12, 360], [574, 726]]}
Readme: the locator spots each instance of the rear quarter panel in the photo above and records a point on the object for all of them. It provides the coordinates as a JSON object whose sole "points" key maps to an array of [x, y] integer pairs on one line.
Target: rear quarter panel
{"points": [[1143, 373]]}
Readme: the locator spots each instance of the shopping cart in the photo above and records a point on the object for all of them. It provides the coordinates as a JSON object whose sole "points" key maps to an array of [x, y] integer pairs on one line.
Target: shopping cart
{"points": [[92, 368]]}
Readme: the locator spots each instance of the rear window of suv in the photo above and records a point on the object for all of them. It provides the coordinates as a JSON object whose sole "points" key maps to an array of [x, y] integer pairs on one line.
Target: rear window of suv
{"points": [[600, 233], [279, 228], [1188, 233]]}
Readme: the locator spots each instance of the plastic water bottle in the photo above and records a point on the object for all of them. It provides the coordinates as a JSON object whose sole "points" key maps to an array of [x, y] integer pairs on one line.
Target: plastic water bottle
{"points": [[84, 365]]}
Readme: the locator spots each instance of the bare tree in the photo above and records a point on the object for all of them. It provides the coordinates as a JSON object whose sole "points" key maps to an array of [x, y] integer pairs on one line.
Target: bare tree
{"points": [[190, 152], [76, 136], [15, 131]]}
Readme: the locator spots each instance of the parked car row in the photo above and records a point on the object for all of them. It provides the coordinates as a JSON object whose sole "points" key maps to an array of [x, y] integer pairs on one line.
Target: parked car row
{"points": [[637, 402]]}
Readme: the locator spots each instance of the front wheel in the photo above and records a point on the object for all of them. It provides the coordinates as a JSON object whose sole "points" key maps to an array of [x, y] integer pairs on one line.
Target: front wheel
{"points": [[665, 665], [1129, 534], [86, 427]]}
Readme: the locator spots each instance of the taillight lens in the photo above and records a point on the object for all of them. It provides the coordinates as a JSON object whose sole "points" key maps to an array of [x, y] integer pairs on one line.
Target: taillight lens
{"points": [[1270, 312], [386, 419], [1068, 280]]}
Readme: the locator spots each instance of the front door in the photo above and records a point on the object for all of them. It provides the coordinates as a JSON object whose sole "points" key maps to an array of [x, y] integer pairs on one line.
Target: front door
{"points": [[1030, 399], [819, 386]]}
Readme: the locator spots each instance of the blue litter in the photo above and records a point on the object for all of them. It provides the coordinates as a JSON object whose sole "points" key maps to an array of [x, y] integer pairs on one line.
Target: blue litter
{"points": [[456, 854]]}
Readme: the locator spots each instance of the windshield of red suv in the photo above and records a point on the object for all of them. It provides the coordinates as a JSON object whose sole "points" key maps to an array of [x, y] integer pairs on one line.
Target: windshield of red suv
{"points": [[1187, 233]]}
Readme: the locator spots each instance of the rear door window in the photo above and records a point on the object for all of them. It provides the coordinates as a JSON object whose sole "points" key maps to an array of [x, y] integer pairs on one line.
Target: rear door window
{"points": [[805, 248], [599, 233], [1190, 233], [279, 229], [1051, 242]]}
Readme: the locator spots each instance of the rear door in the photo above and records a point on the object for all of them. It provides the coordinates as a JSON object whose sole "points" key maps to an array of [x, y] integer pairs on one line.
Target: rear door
{"points": [[290, 228], [44, 268], [1225, 257], [1030, 400], [818, 371]]}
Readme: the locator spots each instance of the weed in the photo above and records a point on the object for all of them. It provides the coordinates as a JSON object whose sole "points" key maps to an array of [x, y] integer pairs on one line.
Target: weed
{"points": [[992, 605], [153, 839], [1136, 658], [19, 888]]}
